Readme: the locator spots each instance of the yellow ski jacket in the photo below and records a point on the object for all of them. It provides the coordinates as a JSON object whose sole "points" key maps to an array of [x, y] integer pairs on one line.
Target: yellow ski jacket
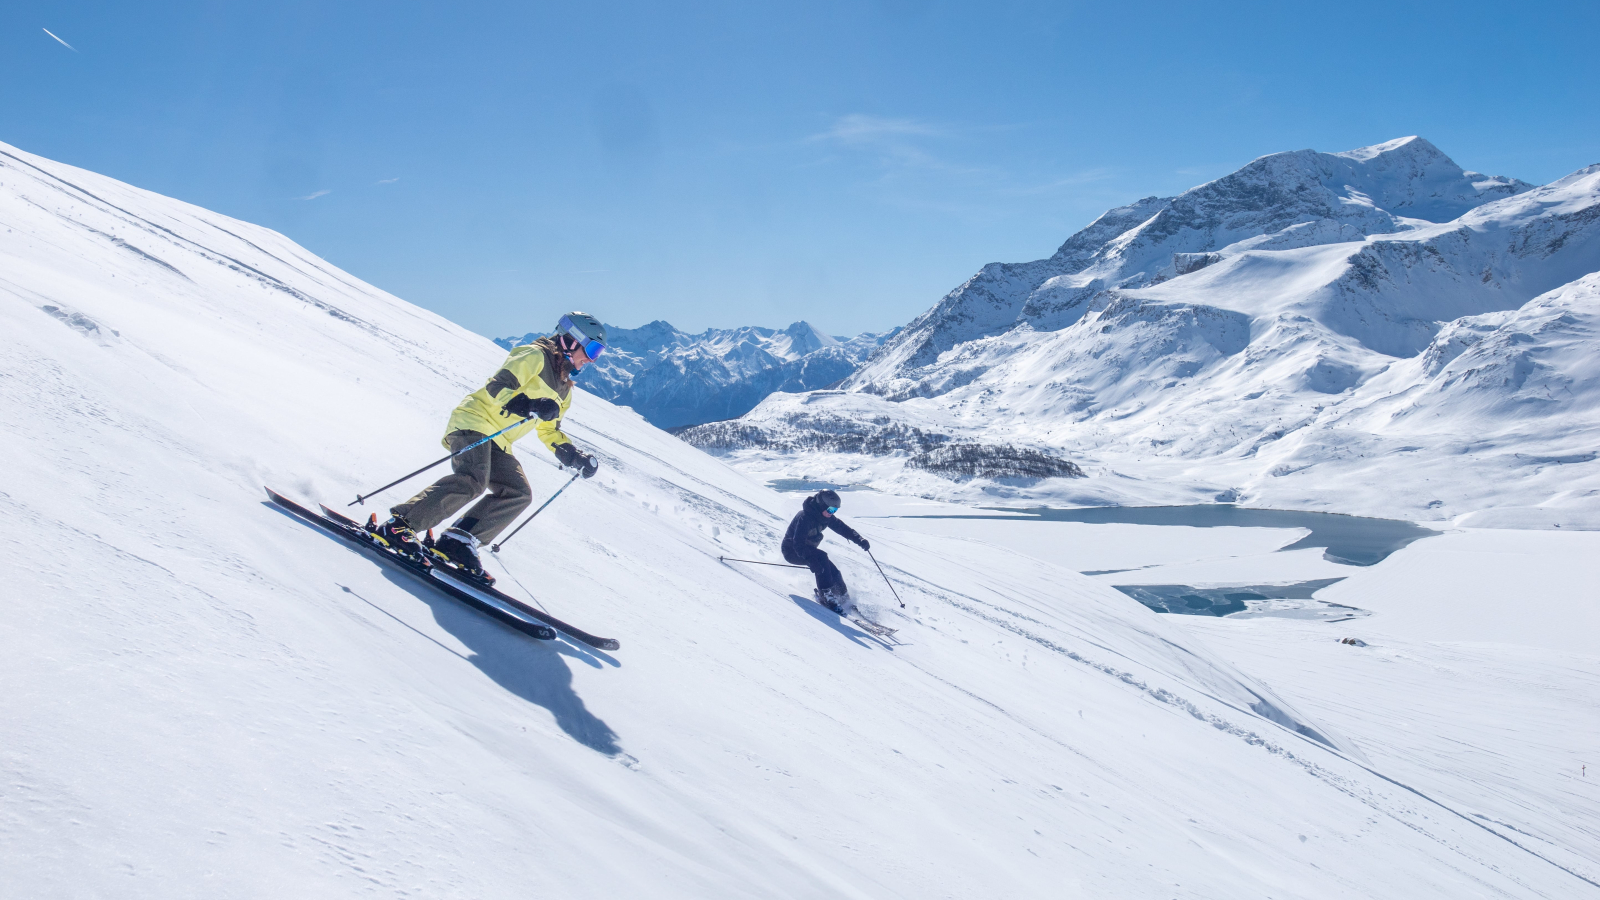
{"points": [[538, 370]]}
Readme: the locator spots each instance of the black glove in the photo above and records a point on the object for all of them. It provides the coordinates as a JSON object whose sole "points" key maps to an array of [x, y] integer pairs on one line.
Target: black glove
{"points": [[525, 406], [863, 544], [569, 455]]}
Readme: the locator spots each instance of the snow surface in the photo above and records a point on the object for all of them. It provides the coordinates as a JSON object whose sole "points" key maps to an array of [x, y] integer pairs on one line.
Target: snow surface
{"points": [[1536, 589], [1504, 725], [1477, 678], [207, 698], [1377, 332]]}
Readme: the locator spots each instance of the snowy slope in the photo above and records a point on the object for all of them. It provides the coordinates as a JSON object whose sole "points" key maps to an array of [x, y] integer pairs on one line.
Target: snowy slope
{"points": [[1299, 367], [1474, 677], [673, 378], [205, 697], [1479, 679]]}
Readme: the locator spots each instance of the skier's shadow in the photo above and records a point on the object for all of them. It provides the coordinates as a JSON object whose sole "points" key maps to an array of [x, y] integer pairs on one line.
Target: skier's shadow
{"points": [[531, 669], [830, 619]]}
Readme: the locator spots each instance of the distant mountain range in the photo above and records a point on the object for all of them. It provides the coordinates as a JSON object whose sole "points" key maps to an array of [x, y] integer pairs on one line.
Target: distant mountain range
{"points": [[675, 379], [1377, 329]]}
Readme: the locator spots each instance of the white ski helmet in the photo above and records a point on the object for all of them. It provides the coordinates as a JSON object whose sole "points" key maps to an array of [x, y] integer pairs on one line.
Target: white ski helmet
{"points": [[579, 329]]}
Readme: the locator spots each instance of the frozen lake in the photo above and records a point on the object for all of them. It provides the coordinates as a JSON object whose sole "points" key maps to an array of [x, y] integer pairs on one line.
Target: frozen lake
{"points": [[1211, 560], [1350, 540], [1289, 601]]}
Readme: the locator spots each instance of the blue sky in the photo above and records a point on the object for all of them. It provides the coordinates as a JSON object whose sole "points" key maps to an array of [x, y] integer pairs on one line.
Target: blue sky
{"points": [[722, 164]]}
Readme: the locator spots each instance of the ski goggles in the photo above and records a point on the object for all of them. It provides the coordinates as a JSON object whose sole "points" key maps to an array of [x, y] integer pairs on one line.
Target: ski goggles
{"points": [[591, 347], [832, 510]]}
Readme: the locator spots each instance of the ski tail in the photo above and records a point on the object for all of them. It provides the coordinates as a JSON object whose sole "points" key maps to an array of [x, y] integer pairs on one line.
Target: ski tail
{"points": [[870, 626], [421, 570]]}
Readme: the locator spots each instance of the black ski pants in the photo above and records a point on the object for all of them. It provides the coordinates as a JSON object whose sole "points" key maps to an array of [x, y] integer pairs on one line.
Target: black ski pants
{"points": [[828, 578]]}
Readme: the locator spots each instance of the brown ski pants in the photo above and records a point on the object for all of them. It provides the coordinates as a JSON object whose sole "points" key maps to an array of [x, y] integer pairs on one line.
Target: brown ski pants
{"points": [[485, 467]]}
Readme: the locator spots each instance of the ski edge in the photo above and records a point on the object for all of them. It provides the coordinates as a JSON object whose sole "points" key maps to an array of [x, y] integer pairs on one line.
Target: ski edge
{"points": [[451, 579], [536, 630]]}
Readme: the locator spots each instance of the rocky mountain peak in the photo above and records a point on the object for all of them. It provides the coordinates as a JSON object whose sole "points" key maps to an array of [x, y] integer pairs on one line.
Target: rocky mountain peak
{"points": [[1281, 201], [1411, 147]]}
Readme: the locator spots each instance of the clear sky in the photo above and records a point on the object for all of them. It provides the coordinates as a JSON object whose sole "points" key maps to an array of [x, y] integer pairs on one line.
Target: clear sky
{"points": [[754, 163]]}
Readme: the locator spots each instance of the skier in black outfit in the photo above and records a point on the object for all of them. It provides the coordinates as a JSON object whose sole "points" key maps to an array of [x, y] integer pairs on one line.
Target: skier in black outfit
{"points": [[802, 540]]}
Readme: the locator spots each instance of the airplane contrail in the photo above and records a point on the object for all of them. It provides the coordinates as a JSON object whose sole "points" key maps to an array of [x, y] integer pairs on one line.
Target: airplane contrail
{"points": [[63, 43]]}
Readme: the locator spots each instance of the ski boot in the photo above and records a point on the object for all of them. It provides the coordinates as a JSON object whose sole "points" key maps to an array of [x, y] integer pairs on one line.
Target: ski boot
{"points": [[396, 535], [459, 548], [832, 600]]}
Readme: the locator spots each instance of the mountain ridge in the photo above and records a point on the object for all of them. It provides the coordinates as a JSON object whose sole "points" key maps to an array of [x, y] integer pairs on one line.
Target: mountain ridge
{"points": [[676, 379], [1279, 201]]}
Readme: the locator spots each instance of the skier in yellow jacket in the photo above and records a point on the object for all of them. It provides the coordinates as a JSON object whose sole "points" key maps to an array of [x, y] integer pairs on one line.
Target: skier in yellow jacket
{"points": [[535, 381]]}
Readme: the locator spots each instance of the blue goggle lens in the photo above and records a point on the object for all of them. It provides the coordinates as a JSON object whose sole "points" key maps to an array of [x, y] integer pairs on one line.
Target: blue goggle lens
{"points": [[591, 347], [832, 510]]}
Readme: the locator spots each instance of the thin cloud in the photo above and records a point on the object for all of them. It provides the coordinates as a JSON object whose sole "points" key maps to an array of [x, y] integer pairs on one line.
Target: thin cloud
{"points": [[387, 180], [1077, 179], [1087, 176], [315, 194], [920, 165], [897, 144], [59, 40], [858, 128]]}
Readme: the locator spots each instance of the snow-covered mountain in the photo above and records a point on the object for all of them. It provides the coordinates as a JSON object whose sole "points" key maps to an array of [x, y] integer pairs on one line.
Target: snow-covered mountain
{"points": [[205, 698], [673, 378], [1277, 202], [1239, 340]]}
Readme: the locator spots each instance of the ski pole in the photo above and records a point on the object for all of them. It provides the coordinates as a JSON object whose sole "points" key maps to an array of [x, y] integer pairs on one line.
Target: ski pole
{"points": [[887, 581], [495, 548], [362, 498], [757, 562]]}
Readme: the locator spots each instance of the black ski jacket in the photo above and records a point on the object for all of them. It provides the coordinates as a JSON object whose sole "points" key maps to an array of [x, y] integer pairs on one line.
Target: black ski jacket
{"points": [[805, 529]]}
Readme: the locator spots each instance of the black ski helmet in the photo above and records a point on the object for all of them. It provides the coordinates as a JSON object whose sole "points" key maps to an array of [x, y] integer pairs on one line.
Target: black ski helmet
{"points": [[826, 498], [579, 329]]}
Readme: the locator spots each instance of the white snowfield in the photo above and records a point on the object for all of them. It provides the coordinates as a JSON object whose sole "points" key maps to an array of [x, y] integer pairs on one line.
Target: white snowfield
{"points": [[1371, 332], [205, 697]]}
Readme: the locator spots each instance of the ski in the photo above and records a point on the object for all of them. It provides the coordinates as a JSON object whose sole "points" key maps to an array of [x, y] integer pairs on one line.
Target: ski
{"points": [[855, 618], [446, 573], [418, 568], [870, 626]]}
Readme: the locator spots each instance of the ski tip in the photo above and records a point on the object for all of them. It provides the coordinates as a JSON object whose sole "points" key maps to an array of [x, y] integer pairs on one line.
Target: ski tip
{"points": [[610, 644]]}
